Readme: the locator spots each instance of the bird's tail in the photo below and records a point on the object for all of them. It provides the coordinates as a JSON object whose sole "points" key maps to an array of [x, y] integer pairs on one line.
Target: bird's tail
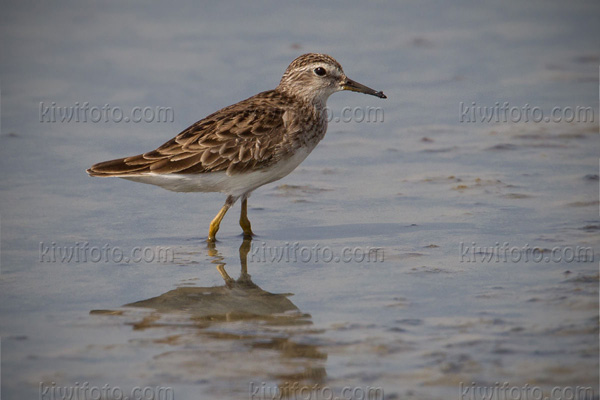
{"points": [[135, 165]]}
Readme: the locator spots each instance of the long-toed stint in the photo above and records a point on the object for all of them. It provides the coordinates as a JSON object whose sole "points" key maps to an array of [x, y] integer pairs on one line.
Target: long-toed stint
{"points": [[248, 144]]}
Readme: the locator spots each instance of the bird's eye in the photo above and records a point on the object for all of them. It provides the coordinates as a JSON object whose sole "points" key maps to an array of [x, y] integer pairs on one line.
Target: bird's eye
{"points": [[320, 71]]}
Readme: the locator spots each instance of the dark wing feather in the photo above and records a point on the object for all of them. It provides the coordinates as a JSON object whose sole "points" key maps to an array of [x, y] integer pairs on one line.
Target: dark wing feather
{"points": [[246, 135]]}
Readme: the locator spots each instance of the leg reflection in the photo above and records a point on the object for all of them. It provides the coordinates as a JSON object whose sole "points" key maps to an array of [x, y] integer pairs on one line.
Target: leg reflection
{"points": [[218, 259]]}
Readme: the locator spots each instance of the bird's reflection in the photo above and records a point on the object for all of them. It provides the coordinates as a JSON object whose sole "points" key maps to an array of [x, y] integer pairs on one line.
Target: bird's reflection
{"points": [[269, 322], [237, 299]]}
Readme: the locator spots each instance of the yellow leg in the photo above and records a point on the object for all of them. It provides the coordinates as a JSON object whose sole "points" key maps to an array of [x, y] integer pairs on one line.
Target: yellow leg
{"points": [[244, 221], [216, 222]]}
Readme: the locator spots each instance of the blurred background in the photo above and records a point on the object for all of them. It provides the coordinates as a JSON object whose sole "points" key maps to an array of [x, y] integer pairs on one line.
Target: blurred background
{"points": [[476, 182]]}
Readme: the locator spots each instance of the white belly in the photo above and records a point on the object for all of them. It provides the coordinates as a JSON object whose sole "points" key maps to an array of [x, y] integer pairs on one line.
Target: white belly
{"points": [[234, 185]]}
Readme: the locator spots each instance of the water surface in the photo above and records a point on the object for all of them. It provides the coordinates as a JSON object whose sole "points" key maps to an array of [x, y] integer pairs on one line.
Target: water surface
{"points": [[417, 256]]}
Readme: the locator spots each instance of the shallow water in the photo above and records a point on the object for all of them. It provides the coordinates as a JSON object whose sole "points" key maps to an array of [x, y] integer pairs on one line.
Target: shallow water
{"points": [[418, 257]]}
